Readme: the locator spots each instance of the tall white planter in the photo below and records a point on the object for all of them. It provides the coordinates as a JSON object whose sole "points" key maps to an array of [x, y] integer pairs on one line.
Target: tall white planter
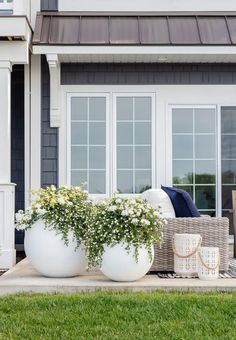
{"points": [[119, 265], [49, 255]]}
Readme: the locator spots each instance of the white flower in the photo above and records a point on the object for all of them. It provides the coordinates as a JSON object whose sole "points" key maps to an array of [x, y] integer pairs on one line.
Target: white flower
{"points": [[144, 221], [61, 200], [135, 221], [37, 206], [19, 217], [53, 187], [118, 200], [112, 208], [124, 213], [40, 211]]}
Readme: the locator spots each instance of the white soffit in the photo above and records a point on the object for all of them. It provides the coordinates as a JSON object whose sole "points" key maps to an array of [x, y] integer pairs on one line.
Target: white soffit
{"points": [[225, 54], [15, 28]]}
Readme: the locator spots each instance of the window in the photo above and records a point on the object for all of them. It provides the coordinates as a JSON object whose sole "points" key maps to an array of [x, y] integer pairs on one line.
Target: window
{"points": [[194, 155], [111, 142]]}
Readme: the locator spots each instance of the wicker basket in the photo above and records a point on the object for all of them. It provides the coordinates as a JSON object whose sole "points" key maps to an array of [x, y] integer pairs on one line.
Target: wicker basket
{"points": [[214, 232]]}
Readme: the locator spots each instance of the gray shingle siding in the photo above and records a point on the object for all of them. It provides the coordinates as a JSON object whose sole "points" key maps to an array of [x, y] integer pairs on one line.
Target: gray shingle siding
{"points": [[49, 136], [49, 5], [129, 74], [17, 140]]}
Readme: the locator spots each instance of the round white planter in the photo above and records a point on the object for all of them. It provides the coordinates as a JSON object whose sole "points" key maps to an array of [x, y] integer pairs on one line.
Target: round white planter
{"points": [[119, 265], [49, 255]]}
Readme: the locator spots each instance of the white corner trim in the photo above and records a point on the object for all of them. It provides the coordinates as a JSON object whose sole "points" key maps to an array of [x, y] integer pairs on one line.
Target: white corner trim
{"points": [[54, 70]]}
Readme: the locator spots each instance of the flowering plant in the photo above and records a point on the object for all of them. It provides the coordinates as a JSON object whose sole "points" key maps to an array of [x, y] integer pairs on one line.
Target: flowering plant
{"points": [[132, 222], [63, 209]]}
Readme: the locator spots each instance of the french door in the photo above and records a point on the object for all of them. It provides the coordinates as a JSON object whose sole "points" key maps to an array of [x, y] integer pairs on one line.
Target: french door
{"points": [[111, 142]]}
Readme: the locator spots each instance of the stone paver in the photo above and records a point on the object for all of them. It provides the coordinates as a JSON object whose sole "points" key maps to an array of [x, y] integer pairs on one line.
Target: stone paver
{"points": [[24, 279]]}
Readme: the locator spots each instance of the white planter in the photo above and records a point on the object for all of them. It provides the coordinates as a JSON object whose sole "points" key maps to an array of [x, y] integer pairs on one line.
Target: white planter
{"points": [[208, 264], [119, 265], [49, 255], [185, 248]]}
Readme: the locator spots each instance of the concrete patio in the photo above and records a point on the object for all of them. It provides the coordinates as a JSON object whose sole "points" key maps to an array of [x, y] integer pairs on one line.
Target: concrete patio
{"points": [[24, 279]]}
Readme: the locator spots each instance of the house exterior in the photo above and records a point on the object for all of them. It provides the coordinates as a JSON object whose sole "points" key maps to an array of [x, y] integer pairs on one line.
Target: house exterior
{"points": [[123, 95]]}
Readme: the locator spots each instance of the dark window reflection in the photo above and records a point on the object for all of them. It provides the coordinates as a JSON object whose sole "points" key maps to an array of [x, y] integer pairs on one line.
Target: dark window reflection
{"points": [[205, 197]]}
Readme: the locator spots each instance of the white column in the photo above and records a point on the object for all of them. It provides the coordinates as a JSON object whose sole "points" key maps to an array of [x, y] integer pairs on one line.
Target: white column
{"points": [[7, 189]]}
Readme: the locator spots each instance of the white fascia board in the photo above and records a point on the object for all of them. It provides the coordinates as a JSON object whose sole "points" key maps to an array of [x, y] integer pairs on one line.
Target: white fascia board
{"points": [[126, 50], [15, 27], [14, 51]]}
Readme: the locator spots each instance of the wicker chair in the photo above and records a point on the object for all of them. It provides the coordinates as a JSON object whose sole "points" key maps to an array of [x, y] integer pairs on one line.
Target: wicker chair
{"points": [[214, 231]]}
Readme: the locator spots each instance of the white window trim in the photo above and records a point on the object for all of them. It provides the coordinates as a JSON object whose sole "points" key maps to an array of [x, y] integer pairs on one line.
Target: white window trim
{"points": [[110, 92]]}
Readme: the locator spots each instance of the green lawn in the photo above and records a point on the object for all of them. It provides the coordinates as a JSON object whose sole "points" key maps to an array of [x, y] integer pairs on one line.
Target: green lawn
{"points": [[119, 316]]}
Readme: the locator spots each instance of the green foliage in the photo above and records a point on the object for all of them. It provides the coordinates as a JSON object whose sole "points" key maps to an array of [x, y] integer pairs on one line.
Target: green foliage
{"points": [[123, 316], [127, 221]]}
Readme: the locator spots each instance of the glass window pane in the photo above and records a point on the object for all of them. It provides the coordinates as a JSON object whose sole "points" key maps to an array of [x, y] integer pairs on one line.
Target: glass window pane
{"points": [[79, 157], [143, 133], [187, 188], [182, 172], [124, 157], [228, 147], [205, 197], [79, 108], [229, 172], [182, 120], [78, 177], [97, 182], [143, 180], [97, 157], [228, 119], [97, 108], [125, 181], [124, 108], [143, 157], [183, 147], [205, 120], [227, 196], [205, 172], [79, 133], [229, 215], [143, 108], [211, 213], [125, 133], [97, 133], [205, 146]]}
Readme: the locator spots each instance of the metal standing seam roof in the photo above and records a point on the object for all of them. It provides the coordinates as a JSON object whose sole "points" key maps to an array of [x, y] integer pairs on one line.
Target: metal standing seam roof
{"points": [[65, 29]]}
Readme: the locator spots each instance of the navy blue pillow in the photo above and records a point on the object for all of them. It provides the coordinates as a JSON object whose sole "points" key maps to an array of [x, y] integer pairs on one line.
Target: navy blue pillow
{"points": [[182, 202]]}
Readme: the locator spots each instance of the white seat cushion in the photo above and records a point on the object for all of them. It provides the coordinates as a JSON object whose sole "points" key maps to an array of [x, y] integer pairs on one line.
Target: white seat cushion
{"points": [[159, 198]]}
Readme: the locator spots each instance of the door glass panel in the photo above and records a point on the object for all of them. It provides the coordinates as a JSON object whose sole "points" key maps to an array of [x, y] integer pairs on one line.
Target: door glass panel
{"points": [[97, 108], [124, 108], [143, 108], [228, 160], [182, 172], [124, 133], [88, 143], [194, 154], [182, 121], [79, 132], [134, 139], [79, 108], [182, 146], [204, 119]]}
